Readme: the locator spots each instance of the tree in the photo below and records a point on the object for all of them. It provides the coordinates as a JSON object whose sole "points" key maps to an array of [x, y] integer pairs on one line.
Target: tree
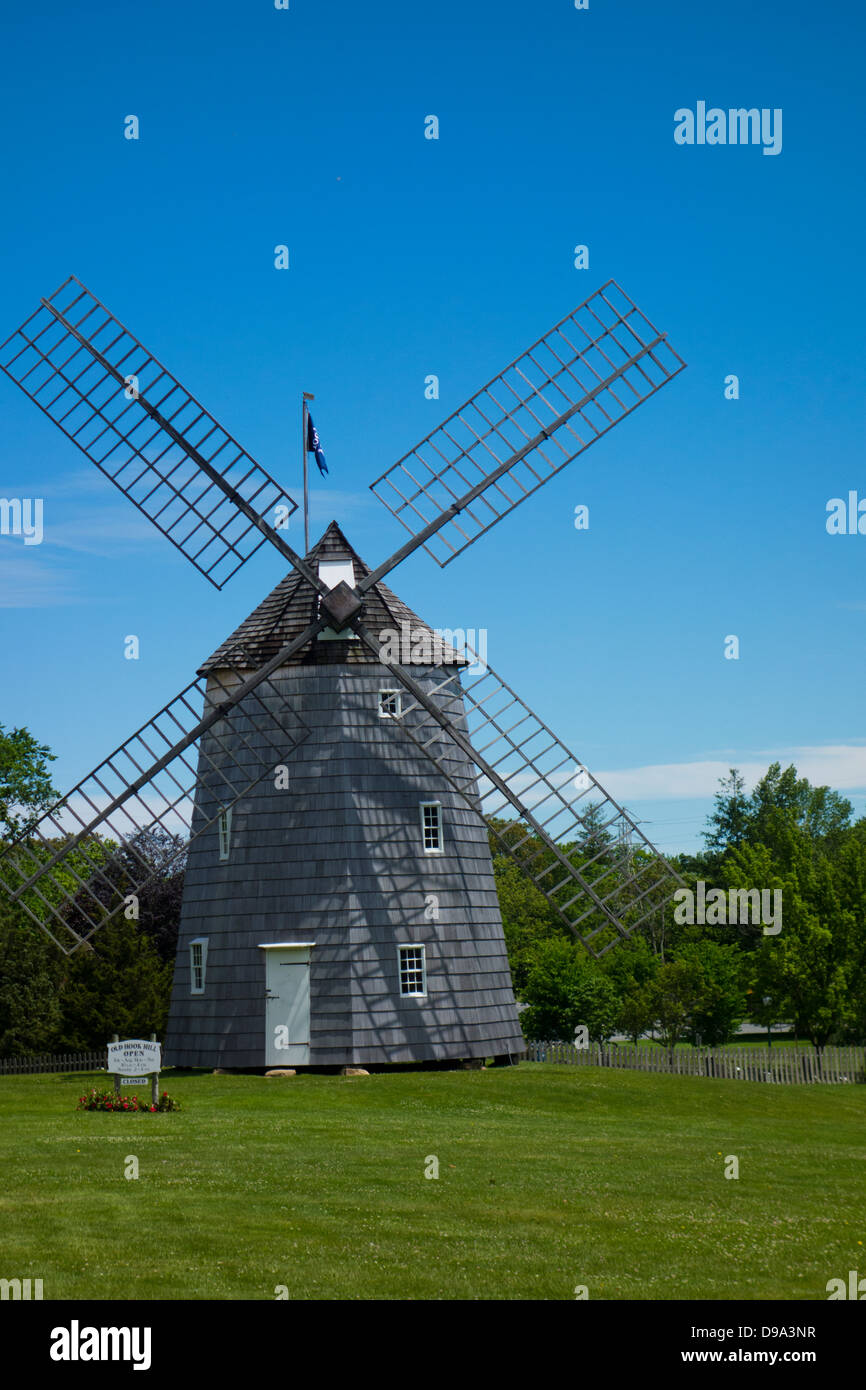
{"points": [[528, 918], [154, 859], [30, 970], [564, 990], [779, 801], [719, 1005], [162, 855], [116, 984], [630, 965], [729, 822], [786, 835], [673, 994], [814, 970], [782, 801], [25, 784], [594, 834], [637, 1011]]}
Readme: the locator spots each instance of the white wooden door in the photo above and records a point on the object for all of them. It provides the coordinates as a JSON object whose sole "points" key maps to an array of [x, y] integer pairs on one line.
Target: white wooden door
{"points": [[287, 1008]]}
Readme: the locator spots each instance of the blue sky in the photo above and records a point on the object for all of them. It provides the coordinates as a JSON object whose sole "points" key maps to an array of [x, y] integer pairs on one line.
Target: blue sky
{"points": [[409, 257]]}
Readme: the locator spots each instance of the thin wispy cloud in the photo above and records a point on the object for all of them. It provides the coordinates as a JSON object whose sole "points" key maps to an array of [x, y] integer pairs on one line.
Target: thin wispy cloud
{"points": [[104, 533], [841, 766], [29, 580]]}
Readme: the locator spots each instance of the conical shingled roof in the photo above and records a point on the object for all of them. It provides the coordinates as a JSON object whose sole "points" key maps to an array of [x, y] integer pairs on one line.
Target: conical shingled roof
{"points": [[292, 605]]}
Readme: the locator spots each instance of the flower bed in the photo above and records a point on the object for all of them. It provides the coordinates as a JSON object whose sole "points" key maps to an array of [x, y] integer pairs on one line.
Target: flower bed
{"points": [[110, 1100]]}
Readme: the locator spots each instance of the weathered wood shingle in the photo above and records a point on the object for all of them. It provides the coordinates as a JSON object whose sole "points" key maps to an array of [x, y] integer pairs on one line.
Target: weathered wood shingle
{"points": [[292, 606], [337, 858]]}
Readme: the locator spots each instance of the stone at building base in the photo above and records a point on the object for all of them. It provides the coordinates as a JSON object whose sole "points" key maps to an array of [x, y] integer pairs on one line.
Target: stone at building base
{"points": [[354, 1071], [281, 1071]]}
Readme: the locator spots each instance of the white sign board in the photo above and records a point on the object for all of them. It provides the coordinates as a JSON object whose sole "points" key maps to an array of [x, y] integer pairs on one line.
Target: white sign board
{"points": [[133, 1057]]}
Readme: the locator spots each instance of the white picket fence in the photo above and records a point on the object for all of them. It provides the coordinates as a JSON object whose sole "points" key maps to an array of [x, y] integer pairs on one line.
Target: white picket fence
{"points": [[784, 1065], [64, 1061]]}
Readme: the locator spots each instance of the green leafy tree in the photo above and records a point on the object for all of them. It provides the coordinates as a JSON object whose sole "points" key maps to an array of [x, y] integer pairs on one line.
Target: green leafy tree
{"points": [[729, 821], [786, 835], [594, 834], [674, 993], [783, 803], [30, 974], [630, 965], [154, 859], [719, 1004], [528, 919], [637, 1011], [564, 990], [116, 984], [812, 971], [25, 783]]}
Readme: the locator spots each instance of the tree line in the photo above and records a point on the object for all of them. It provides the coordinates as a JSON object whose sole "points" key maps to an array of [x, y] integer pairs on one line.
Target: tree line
{"points": [[697, 982]]}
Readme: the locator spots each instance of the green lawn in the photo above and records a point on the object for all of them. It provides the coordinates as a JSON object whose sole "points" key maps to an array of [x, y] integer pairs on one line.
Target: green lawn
{"points": [[550, 1177]]}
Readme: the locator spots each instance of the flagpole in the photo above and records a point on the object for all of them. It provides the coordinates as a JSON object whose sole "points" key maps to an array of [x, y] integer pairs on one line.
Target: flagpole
{"points": [[304, 414]]}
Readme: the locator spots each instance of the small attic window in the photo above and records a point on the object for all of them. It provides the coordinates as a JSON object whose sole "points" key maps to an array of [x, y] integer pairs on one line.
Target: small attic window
{"points": [[333, 572], [390, 704]]}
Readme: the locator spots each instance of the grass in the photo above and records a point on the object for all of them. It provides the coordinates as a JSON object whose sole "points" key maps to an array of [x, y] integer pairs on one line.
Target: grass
{"points": [[549, 1177]]}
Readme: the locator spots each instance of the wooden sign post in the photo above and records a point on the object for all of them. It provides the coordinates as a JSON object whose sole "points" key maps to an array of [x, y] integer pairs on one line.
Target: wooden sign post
{"points": [[133, 1062]]}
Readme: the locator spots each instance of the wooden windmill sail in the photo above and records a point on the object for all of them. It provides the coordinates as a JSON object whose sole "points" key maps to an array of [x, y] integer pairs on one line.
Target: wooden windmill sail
{"points": [[298, 689]]}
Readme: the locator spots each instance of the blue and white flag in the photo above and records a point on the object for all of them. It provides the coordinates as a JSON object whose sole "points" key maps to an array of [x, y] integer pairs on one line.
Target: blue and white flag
{"points": [[313, 445]]}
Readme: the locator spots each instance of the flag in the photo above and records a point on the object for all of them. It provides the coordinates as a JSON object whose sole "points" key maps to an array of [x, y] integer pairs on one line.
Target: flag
{"points": [[313, 445]]}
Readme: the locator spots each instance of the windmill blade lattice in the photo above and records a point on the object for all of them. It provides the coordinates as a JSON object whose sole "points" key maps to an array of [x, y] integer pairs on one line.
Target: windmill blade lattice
{"points": [[143, 430], [73, 868], [573, 385], [578, 845]]}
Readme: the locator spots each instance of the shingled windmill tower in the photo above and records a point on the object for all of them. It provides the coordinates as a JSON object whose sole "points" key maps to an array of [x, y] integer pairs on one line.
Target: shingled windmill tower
{"points": [[346, 912], [333, 771]]}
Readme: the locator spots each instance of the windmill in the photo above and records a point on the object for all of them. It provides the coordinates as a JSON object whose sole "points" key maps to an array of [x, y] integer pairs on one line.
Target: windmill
{"points": [[337, 770]]}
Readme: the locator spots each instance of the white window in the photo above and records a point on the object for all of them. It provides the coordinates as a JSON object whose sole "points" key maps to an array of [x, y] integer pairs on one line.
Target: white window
{"points": [[331, 573], [413, 970], [431, 826], [390, 704], [197, 964], [334, 572], [224, 826]]}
